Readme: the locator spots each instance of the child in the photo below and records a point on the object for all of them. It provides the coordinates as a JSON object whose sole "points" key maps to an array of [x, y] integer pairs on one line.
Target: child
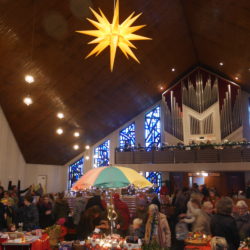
{"points": [[138, 228]]}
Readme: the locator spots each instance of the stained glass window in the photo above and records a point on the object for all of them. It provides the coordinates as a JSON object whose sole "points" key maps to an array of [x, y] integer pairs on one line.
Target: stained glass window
{"points": [[127, 136], [75, 171], [156, 179], [153, 128], [101, 154]]}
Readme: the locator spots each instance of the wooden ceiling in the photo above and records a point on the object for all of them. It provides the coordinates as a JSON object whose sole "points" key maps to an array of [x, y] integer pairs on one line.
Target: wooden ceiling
{"points": [[38, 37]]}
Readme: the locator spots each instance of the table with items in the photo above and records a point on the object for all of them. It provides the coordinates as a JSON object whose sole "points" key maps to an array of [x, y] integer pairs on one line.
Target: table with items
{"points": [[100, 242], [198, 241], [24, 240]]}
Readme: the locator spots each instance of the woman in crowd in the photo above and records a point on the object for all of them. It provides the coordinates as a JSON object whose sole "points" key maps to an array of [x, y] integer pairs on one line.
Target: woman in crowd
{"points": [[243, 219], [213, 197], [157, 228], [61, 208], [45, 212], [96, 201], [91, 219], [224, 225], [202, 222], [123, 215]]}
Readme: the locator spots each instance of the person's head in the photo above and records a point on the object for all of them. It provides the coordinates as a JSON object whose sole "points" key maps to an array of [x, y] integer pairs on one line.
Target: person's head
{"points": [[141, 204], [242, 207], [12, 228], [116, 196], [94, 212], [207, 207], [212, 193], [137, 223], [224, 206], [195, 186], [196, 203], [28, 199], [153, 209], [60, 196], [1, 189], [14, 188], [6, 194], [46, 199]]}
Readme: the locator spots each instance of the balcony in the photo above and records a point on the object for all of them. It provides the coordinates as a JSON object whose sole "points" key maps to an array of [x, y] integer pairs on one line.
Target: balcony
{"points": [[175, 156]]}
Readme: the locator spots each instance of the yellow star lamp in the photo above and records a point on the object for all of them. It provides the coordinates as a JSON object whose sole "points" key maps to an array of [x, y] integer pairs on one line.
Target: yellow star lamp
{"points": [[114, 34]]}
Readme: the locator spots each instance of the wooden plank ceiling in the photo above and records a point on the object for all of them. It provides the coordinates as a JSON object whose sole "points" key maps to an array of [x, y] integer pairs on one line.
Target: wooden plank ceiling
{"points": [[38, 37]]}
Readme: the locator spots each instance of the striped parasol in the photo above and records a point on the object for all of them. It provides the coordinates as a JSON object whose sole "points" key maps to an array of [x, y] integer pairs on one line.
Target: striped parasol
{"points": [[111, 177]]}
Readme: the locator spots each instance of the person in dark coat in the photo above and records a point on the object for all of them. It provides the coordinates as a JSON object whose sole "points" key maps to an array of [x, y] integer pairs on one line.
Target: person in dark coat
{"points": [[224, 225], [29, 214], [90, 219], [243, 219], [96, 201], [61, 208], [2, 217], [46, 218]]}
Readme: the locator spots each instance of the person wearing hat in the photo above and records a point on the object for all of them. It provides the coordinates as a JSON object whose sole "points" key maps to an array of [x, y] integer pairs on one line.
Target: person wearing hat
{"points": [[29, 214], [141, 210]]}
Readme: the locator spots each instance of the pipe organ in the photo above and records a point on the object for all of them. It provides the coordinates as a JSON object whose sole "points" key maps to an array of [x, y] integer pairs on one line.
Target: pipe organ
{"points": [[200, 106]]}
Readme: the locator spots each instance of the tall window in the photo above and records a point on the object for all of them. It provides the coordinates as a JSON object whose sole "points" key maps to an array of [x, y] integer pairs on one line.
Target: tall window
{"points": [[156, 179], [75, 171], [153, 128], [101, 154], [127, 136]]}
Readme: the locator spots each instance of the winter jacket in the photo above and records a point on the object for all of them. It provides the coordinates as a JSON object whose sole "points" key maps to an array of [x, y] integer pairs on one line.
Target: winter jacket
{"points": [[30, 218], [243, 225], [202, 223], [225, 226], [61, 209]]}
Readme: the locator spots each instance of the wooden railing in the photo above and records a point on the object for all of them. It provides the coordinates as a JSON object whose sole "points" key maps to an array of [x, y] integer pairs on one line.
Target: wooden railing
{"points": [[184, 156]]}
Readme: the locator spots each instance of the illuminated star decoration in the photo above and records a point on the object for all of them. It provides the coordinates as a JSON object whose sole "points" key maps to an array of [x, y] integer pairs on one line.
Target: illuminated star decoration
{"points": [[114, 34]]}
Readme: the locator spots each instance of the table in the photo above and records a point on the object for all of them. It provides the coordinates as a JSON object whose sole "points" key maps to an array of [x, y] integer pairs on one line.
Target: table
{"points": [[40, 244], [196, 247]]}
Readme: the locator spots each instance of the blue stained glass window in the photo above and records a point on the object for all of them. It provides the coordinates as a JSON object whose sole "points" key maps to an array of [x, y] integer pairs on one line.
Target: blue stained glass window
{"points": [[156, 179], [75, 171], [127, 136], [153, 128], [101, 154]]}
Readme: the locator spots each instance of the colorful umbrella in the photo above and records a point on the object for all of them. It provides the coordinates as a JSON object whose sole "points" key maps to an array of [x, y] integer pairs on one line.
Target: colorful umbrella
{"points": [[111, 177]]}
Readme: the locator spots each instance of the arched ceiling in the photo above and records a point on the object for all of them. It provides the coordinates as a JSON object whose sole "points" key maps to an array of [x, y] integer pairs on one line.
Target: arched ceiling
{"points": [[38, 37]]}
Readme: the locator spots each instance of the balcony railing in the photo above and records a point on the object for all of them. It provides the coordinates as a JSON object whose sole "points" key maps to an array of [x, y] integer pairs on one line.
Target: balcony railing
{"points": [[206, 155]]}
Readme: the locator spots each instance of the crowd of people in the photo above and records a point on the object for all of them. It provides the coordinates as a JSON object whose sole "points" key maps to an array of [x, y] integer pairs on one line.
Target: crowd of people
{"points": [[161, 219]]}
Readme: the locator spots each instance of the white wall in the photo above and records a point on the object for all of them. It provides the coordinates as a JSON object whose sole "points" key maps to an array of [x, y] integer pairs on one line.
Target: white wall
{"points": [[12, 163], [56, 176], [13, 166]]}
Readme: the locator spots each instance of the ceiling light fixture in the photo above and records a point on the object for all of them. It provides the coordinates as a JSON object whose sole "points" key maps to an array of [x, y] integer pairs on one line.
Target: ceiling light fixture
{"points": [[76, 134], [173, 69], [60, 115], [29, 79], [59, 131], [114, 34], [27, 100], [221, 63], [76, 147], [87, 147]]}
